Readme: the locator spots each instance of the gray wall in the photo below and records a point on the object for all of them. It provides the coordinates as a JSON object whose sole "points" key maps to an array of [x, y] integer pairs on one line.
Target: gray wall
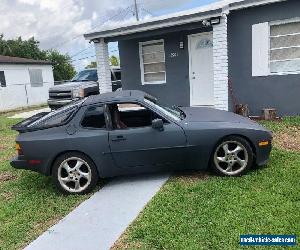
{"points": [[176, 90], [280, 92]]}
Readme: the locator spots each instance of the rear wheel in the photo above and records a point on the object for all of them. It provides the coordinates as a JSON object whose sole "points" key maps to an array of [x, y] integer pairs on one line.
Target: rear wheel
{"points": [[233, 156], [74, 173]]}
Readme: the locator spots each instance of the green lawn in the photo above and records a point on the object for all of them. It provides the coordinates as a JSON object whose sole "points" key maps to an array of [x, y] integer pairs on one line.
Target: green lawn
{"points": [[29, 203], [200, 211]]}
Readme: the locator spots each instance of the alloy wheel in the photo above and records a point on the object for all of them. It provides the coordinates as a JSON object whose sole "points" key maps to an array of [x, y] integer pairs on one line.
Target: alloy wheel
{"points": [[74, 175], [231, 157]]}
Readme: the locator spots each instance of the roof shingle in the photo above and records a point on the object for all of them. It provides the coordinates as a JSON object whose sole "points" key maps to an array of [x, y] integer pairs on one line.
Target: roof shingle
{"points": [[19, 60]]}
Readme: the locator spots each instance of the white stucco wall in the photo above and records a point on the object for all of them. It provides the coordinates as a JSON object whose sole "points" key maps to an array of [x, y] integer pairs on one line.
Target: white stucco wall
{"points": [[18, 91]]}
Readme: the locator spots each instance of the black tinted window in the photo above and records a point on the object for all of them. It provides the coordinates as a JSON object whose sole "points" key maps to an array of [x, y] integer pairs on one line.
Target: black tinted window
{"points": [[118, 75], [59, 119], [115, 75], [55, 118], [94, 118], [2, 79], [86, 75]]}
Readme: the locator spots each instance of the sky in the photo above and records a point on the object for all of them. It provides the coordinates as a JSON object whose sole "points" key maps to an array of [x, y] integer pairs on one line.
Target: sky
{"points": [[60, 24]]}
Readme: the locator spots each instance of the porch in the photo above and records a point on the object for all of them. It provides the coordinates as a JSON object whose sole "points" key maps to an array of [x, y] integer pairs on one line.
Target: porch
{"points": [[185, 64]]}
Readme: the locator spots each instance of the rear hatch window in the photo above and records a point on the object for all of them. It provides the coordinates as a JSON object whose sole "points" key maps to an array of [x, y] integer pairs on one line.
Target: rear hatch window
{"points": [[55, 118]]}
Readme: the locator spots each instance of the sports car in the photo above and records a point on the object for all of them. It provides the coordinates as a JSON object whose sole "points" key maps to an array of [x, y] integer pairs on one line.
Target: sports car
{"points": [[130, 132]]}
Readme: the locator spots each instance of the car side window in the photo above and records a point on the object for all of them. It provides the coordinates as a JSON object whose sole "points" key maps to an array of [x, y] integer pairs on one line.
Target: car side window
{"points": [[131, 115], [115, 75], [94, 118], [118, 75]]}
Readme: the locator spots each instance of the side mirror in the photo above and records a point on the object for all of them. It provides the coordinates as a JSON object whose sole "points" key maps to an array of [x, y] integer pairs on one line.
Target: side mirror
{"points": [[158, 124]]}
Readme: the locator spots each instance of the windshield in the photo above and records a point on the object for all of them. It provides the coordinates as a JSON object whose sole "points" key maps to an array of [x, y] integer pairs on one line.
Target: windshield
{"points": [[174, 113], [86, 75]]}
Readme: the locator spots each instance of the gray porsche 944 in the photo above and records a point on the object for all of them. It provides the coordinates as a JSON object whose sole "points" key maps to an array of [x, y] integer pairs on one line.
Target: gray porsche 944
{"points": [[129, 132]]}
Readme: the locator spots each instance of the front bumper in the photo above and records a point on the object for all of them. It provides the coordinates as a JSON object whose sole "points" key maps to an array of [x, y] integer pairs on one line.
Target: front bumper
{"points": [[56, 103], [263, 155], [19, 162]]}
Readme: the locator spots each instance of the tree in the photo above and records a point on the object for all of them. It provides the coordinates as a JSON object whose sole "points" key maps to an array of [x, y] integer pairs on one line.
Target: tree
{"points": [[91, 65], [62, 66], [114, 61], [22, 48]]}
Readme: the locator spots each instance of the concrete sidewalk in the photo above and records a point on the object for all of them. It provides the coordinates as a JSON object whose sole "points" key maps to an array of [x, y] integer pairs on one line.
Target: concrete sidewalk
{"points": [[28, 114], [99, 221]]}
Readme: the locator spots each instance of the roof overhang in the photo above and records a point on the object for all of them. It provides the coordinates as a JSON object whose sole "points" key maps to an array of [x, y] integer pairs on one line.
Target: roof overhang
{"points": [[178, 18], [153, 25], [27, 63]]}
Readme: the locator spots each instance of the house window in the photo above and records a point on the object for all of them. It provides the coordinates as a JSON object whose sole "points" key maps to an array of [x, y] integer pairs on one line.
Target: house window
{"points": [[152, 60], [2, 79], [285, 47], [36, 77]]}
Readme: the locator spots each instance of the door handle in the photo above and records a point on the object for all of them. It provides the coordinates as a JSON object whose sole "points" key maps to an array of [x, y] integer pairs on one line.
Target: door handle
{"points": [[118, 138]]}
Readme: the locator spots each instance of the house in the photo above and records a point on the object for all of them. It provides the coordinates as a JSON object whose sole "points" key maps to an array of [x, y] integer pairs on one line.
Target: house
{"points": [[227, 53], [24, 82]]}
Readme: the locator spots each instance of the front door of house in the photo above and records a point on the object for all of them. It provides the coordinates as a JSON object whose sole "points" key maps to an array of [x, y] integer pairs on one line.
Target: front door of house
{"points": [[201, 69]]}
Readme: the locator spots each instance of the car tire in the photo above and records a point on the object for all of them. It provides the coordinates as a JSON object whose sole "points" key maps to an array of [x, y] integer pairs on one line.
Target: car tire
{"points": [[232, 156], [74, 173]]}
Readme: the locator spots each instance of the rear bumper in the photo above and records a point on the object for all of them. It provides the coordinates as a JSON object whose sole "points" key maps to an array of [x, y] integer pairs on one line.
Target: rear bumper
{"points": [[20, 163], [56, 103]]}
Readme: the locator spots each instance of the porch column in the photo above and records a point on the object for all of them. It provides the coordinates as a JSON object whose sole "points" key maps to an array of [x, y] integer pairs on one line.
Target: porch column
{"points": [[103, 67], [220, 56]]}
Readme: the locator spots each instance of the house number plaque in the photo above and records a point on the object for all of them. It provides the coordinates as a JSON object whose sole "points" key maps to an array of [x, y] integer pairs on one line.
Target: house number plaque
{"points": [[174, 54]]}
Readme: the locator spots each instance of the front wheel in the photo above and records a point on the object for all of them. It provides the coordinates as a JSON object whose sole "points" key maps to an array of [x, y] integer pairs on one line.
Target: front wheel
{"points": [[74, 173], [233, 156]]}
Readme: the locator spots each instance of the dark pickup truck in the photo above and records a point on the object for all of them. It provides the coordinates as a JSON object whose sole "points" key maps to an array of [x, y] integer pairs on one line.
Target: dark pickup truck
{"points": [[84, 84]]}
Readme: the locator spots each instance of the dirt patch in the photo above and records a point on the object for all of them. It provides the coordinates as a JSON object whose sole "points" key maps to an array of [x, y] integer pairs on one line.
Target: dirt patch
{"points": [[122, 244], [288, 139], [192, 176], [7, 196], [7, 177], [6, 143]]}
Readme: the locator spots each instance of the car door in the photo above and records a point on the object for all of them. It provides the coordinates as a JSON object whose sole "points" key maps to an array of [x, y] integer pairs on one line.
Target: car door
{"points": [[92, 137], [145, 146]]}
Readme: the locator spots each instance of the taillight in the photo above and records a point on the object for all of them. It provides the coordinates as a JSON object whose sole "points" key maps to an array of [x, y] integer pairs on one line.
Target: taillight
{"points": [[19, 149]]}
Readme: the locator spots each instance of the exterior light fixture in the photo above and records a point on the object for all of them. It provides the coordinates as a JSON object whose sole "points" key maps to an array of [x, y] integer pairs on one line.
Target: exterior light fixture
{"points": [[96, 40], [214, 21], [206, 23]]}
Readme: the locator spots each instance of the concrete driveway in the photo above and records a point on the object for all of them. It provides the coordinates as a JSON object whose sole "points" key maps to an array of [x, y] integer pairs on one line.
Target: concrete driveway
{"points": [[99, 221]]}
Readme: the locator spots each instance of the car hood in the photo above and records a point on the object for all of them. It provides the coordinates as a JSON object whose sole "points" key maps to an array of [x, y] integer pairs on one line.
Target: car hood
{"points": [[71, 85], [203, 114]]}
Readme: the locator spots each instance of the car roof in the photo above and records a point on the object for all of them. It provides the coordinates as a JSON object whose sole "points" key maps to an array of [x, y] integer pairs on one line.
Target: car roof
{"points": [[118, 96]]}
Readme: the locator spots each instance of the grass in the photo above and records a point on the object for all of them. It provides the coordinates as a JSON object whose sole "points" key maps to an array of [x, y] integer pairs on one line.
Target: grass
{"points": [[201, 211], [29, 203]]}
